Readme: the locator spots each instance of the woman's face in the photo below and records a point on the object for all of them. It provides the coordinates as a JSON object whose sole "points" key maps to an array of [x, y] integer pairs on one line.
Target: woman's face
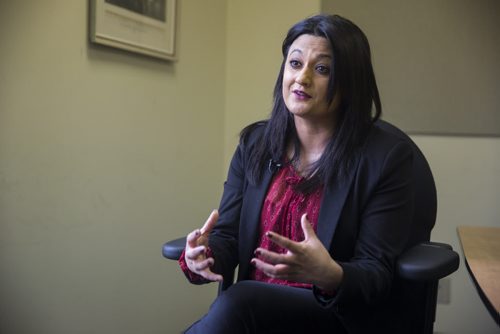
{"points": [[305, 79]]}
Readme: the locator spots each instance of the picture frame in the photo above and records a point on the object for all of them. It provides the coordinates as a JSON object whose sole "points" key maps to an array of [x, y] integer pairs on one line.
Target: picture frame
{"points": [[142, 26]]}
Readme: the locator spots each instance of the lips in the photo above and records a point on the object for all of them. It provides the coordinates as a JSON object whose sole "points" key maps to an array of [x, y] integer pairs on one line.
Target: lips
{"points": [[301, 94]]}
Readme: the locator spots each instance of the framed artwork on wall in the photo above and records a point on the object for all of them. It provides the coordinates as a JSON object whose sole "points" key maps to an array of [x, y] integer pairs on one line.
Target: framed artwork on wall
{"points": [[141, 26]]}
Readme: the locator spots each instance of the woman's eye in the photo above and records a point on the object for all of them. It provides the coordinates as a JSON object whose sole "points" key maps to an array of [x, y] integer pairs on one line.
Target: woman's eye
{"points": [[322, 69], [294, 63]]}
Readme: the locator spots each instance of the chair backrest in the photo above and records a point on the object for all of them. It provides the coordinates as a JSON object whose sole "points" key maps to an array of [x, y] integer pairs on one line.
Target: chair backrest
{"points": [[413, 302]]}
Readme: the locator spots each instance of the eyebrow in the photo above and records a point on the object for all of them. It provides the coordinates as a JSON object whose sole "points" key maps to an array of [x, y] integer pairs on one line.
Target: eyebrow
{"points": [[321, 55]]}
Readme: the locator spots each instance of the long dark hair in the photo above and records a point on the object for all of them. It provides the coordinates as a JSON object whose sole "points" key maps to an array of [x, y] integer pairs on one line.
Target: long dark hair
{"points": [[352, 77]]}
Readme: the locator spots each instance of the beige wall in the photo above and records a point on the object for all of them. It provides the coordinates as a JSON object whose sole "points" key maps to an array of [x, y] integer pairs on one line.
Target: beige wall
{"points": [[436, 61], [255, 32], [104, 155]]}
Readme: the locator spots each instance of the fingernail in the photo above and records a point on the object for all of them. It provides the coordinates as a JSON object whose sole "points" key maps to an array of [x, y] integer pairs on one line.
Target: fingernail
{"points": [[269, 235], [257, 252], [252, 262]]}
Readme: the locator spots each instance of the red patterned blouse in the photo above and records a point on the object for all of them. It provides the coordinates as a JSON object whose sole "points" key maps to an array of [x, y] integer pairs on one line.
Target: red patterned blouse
{"points": [[281, 213]]}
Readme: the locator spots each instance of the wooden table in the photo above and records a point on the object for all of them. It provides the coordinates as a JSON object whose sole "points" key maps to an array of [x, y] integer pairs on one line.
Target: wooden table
{"points": [[481, 247]]}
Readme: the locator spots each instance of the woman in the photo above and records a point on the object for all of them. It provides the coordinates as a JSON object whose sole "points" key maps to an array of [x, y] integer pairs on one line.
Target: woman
{"points": [[317, 202]]}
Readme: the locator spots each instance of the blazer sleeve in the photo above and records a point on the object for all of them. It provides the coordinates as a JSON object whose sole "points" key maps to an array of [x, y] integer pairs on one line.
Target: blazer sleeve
{"points": [[223, 240], [385, 211]]}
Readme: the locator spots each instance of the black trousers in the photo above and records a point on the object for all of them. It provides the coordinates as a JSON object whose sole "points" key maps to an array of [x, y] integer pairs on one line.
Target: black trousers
{"points": [[249, 307]]}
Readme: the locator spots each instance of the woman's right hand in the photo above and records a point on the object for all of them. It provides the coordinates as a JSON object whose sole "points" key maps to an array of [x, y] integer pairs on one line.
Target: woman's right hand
{"points": [[196, 250]]}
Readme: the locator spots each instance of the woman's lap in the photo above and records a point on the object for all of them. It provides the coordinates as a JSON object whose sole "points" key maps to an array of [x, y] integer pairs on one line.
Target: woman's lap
{"points": [[256, 307]]}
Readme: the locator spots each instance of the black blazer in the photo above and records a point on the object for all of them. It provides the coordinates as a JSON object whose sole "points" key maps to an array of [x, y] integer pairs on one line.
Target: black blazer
{"points": [[364, 222]]}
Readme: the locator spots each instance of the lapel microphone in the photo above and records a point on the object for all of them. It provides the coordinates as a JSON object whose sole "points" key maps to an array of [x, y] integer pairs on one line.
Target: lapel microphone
{"points": [[274, 166]]}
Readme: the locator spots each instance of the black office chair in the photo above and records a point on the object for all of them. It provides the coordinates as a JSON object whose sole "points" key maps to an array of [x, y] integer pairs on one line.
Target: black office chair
{"points": [[418, 269]]}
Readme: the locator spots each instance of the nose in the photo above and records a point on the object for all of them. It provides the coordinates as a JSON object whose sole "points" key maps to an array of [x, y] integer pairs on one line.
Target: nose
{"points": [[303, 77]]}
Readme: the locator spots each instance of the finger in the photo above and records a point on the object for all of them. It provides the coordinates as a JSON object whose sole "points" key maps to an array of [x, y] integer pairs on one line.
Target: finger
{"points": [[307, 227], [192, 238], [211, 276], [273, 271], [199, 266], [194, 253], [272, 257], [210, 223], [202, 268], [283, 242]]}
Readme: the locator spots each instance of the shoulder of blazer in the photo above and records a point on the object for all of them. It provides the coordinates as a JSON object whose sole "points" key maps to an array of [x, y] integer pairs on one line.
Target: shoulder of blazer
{"points": [[251, 133], [250, 136], [381, 142]]}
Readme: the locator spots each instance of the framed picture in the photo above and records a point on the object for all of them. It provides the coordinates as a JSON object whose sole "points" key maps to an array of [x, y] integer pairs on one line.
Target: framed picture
{"points": [[142, 26]]}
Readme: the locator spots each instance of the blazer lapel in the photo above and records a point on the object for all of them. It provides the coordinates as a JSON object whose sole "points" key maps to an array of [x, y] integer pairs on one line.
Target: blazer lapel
{"points": [[331, 207], [250, 220]]}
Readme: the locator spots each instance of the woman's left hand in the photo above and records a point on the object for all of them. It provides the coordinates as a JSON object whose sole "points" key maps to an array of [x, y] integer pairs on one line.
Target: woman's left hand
{"points": [[307, 261]]}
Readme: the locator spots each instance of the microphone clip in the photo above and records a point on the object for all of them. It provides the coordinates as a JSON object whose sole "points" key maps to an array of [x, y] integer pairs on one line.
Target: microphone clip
{"points": [[274, 166]]}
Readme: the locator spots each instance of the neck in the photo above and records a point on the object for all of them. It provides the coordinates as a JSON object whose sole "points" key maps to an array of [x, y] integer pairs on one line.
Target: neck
{"points": [[313, 140]]}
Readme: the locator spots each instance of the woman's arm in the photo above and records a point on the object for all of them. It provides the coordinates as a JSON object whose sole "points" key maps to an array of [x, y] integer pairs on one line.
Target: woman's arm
{"points": [[212, 252], [223, 240]]}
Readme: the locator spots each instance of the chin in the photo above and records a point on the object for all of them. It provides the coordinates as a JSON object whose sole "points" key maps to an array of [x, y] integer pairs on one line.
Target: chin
{"points": [[297, 111], [301, 114]]}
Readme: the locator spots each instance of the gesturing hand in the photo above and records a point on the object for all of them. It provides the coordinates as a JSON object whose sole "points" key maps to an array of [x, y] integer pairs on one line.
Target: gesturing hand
{"points": [[307, 261], [196, 250]]}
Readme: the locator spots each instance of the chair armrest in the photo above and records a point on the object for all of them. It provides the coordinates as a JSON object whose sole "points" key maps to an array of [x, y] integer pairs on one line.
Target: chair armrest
{"points": [[173, 249], [427, 261]]}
